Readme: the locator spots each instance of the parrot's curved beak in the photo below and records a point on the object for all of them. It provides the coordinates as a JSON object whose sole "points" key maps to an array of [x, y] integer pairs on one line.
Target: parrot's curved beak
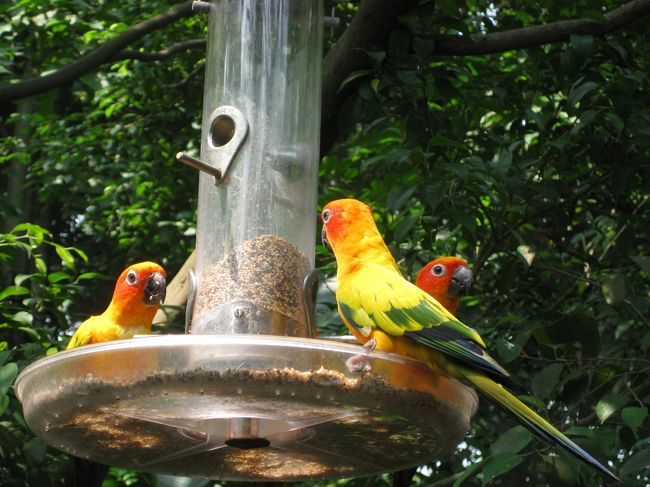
{"points": [[461, 282], [154, 290], [323, 238]]}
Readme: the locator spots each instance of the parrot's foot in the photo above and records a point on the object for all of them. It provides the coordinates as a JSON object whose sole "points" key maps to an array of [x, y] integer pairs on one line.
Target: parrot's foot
{"points": [[360, 363]]}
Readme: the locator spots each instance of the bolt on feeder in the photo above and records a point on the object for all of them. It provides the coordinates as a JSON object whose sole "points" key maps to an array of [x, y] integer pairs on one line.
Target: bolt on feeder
{"points": [[248, 393]]}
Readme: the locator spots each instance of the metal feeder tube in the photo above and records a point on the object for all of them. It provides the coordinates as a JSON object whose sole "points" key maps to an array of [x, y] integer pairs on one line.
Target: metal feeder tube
{"points": [[261, 123]]}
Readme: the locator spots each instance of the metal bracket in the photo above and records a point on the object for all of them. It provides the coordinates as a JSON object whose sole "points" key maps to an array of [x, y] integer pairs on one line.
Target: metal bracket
{"points": [[227, 131]]}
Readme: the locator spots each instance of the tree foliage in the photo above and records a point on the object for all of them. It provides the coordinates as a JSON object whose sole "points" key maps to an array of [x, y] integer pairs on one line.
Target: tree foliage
{"points": [[531, 163]]}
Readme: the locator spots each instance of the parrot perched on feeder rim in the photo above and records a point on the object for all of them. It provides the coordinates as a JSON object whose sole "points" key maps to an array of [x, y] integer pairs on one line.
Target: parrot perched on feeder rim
{"points": [[385, 311], [446, 279], [138, 293]]}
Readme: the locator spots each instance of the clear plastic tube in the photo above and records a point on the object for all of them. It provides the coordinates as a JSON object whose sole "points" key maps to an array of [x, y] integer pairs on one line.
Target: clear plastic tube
{"points": [[257, 227]]}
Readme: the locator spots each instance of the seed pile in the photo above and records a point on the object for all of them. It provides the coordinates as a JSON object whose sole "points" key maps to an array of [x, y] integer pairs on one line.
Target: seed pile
{"points": [[266, 271]]}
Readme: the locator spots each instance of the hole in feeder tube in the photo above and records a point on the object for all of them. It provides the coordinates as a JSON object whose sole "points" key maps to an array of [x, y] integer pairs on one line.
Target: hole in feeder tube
{"points": [[248, 443], [222, 130]]}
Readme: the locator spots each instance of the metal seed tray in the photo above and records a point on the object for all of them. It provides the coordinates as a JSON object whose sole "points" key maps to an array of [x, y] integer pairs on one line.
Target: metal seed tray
{"points": [[243, 407]]}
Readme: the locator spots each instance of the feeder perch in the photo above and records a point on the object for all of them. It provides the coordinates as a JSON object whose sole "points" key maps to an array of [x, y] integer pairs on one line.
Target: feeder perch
{"points": [[248, 393]]}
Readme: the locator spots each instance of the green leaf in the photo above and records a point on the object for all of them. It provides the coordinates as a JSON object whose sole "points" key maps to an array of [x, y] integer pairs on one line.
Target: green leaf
{"points": [[512, 441], [608, 405], [500, 464], [404, 227], [614, 288], [34, 230], [35, 451], [377, 57], [643, 262], [65, 255], [58, 277], [442, 141], [354, 76], [92, 275], [636, 464], [508, 351], [634, 417], [582, 44], [468, 472], [617, 123], [40, 265], [80, 253], [398, 197], [449, 7], [546, 379], [30, 331], [577, 93], [8, 373], [23, 317], [20, 278], [10, 291]]}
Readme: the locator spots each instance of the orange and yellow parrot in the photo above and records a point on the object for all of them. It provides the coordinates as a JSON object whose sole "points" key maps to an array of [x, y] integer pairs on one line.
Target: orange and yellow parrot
{"points": [[446, 279], [385, 311], [138, 293]]}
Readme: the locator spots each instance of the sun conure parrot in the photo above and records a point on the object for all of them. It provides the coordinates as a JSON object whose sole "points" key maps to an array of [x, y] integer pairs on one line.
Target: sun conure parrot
{"points": [[446, 279], [138, 293], [384, 310]]}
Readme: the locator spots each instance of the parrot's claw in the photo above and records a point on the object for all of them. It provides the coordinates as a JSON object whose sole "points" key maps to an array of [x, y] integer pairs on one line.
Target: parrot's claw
{"points": [[361, 363], [370, 345], [358, 363]]}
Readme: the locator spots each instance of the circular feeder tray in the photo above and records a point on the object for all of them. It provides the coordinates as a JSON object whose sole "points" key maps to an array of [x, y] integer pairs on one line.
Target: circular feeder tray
{"points": [[243, 407]]}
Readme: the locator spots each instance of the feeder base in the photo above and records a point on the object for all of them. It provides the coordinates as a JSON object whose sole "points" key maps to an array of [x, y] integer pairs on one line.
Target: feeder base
{"points": [[243, 407]]}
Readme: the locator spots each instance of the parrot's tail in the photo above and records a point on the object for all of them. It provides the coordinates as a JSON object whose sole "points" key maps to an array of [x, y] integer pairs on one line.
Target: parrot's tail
{"points": [[530, 419]]}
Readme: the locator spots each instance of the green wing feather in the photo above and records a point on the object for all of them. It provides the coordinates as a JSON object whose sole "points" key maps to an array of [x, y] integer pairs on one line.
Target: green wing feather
{"points": [[376, 297], [381, 298], [531, 420]]}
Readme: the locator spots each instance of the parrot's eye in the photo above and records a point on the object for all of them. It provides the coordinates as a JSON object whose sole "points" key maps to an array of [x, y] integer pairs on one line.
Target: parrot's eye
{"points": [[326, 216], [438, 270], [132, 277]]}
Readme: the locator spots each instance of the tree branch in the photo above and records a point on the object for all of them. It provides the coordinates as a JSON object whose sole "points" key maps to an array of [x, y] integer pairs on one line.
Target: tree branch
{"points": [[538, 35], [371, 25], [103, 54], [162, 54]]}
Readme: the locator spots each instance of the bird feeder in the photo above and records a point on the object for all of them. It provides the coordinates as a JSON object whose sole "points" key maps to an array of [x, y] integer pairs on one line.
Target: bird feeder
{"points": [[248, 393]]}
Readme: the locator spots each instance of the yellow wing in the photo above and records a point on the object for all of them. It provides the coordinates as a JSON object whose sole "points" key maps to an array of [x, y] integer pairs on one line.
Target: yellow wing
{"points": [[374, 296], [96, 329]]}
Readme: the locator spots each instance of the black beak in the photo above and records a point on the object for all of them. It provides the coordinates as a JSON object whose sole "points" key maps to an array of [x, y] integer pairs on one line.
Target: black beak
{"points": [[461, 282], [154, 291], [323, 238]]}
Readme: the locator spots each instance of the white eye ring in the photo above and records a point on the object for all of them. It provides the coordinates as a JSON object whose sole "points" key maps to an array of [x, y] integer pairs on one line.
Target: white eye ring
{"points": [[326, 216], [132, 277], [438, 270]]}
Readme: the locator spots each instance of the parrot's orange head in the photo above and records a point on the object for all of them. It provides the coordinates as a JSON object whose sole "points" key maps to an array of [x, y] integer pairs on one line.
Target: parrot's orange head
{"points": [[346, 220], [141, 284], [446, 279]]}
